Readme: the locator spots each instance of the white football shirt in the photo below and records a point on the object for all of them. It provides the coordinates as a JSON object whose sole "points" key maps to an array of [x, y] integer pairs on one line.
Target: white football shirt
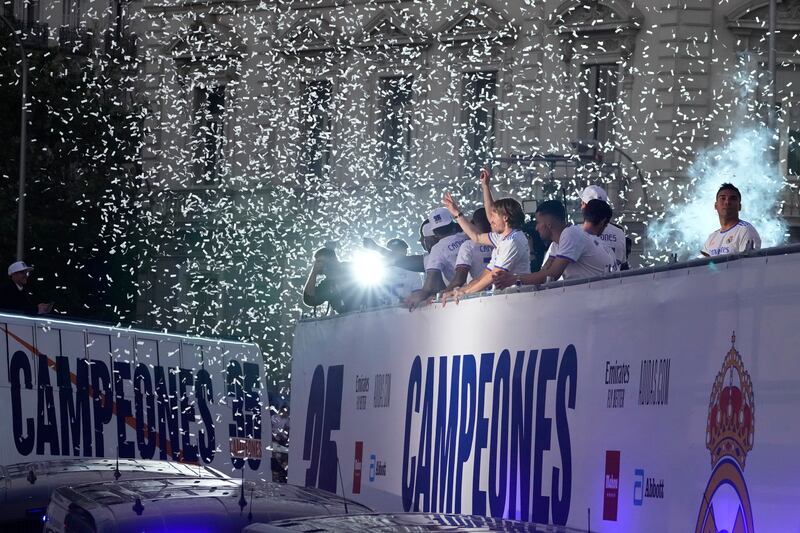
{"points": [[587, 255], [474, 256], [614, 237], [400, 283], [732, 240], [443, 256], [511, 253]]}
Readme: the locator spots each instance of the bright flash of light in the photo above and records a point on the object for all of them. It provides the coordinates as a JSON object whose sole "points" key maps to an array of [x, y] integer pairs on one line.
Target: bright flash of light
{"points": [[369, 268]]}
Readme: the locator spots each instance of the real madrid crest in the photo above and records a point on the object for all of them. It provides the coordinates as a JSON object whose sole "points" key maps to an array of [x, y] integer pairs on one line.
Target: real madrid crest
{"points": [[729, 437]]}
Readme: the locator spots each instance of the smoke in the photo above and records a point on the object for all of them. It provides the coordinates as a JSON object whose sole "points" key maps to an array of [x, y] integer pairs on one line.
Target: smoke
{"points": [[746, 159]]}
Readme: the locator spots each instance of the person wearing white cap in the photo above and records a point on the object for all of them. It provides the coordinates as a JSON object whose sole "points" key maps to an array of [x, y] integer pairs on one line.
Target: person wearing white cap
{"points": [[14, 295], [613, 236], [440, 263]]}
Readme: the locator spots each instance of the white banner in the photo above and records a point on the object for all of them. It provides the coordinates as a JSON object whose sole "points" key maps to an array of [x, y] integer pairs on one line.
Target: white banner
{"points": [[660, 402], [76, 390]]}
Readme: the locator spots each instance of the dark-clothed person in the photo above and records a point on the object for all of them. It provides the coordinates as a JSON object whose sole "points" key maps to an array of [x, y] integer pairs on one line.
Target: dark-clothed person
{"points": [[16, 297], [338, 288]]}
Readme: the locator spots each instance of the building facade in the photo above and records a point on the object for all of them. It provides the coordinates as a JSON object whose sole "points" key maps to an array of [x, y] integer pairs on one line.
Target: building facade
{"points": [[275, 126]]}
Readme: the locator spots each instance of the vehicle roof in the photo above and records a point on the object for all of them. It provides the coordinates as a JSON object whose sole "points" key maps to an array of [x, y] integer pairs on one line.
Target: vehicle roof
{"points": [[25, 486], [405, 522], [125, 491], [86, 465]]}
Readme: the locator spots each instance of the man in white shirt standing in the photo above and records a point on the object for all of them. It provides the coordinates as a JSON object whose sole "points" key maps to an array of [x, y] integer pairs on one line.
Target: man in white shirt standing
{"points": [[613, 236], [734, 235], [440, 263], [511, 254], [574, 253]]}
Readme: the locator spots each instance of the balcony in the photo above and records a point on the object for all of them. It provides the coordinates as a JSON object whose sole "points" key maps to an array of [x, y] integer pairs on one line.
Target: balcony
{"points": [[77, 41]]}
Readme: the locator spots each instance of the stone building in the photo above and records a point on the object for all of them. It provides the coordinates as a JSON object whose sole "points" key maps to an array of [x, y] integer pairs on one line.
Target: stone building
{"points": [[354, 115], [76, 27]]}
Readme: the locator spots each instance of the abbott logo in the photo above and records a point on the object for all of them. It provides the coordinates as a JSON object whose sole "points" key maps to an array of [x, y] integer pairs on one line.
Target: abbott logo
{"points": [[646, 487], [638, 486]]}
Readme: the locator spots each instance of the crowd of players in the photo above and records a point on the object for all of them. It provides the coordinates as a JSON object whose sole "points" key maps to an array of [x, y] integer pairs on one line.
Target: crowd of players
{"points": [[496, 247]]}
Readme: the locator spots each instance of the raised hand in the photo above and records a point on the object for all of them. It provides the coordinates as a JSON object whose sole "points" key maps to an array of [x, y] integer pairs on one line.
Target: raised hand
{"points": [[450, 204], [484, 177]]}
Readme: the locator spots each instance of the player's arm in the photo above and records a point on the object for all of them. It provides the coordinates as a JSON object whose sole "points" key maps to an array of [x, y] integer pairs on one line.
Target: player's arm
{"points": [[414, 263], [476, 285], [486, 189], [466, 226], [433, 284], [311, 295], [553, 269], [459, 279]]}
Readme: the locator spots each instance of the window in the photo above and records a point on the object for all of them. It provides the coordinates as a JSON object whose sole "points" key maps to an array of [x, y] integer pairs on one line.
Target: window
{"points": [[24, 10], [315, 129], [209, 137], [204, 300], [596, 99], [793, 155], [72, 13], [395, 101], [478, 119]]}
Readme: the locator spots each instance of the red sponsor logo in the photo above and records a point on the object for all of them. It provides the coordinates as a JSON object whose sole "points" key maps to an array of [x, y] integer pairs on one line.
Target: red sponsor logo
{"points": [[611, 486], [357, 467], [245, 448]]}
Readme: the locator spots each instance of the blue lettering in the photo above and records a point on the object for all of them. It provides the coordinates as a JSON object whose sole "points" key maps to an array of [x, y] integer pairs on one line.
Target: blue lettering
{"points": [[329, 454], [467, 421], [567, 373], [46, 423], [75, 413], [125, 448], [481, 433], [322, 417], [521, 435], [547, 372], [516, 433], [314, 414], [444, 454], [423, 485], [206, 438], [497, 488], [142, 397], [412, 404]]}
